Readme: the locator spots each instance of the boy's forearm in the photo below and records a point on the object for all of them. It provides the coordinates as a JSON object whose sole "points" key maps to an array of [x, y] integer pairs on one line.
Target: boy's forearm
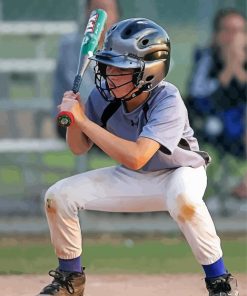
{"points": [[126, 152], [78, 142], [115, 147]]}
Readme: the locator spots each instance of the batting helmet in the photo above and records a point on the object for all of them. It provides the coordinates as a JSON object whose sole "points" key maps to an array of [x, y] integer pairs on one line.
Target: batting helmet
{"points": [[140, 44]]}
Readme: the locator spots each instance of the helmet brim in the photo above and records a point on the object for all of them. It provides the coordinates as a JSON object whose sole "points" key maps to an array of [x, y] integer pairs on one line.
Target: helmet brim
{"points": [[116, 60]]}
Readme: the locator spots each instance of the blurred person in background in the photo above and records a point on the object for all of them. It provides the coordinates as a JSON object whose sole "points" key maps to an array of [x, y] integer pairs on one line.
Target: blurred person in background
{"points": [[217, 88], [67, 60], [240, 191]]}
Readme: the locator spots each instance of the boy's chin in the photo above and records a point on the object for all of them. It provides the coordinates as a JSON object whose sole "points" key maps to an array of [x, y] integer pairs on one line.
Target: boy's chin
{"points": [[117, 96]]}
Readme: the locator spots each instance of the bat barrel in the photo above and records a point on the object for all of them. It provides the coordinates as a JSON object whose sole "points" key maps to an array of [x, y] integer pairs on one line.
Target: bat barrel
{"points": [[93, 31]]}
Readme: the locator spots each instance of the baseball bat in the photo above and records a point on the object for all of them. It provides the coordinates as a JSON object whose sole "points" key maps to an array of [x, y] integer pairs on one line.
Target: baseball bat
{"points": [[89, 44]]}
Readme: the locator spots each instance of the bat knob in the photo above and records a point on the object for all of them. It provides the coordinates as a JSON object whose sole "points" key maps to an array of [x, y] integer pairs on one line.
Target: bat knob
{"points": [[65, 118]]}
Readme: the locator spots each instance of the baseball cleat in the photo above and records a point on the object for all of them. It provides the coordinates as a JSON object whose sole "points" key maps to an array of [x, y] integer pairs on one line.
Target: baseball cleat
{"points": [[65, 284], [224, 285]]}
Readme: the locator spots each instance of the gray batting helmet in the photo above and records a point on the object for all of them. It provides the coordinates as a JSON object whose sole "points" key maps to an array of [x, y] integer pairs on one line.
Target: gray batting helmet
{"points": [[140, 44]]}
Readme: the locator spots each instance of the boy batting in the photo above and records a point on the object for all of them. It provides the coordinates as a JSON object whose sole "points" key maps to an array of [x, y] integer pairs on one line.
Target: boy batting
{"points": [[139, 120]]}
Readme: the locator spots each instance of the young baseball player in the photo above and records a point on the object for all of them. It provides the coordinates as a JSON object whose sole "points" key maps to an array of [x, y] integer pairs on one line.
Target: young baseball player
{"points": [[140, 121]]}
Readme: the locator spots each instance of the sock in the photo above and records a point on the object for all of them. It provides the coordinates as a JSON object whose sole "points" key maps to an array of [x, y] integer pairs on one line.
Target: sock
{"points": [[216, 269], [70, 265]]}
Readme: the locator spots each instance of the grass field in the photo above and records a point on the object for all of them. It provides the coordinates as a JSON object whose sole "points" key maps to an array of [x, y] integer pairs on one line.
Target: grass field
{"points": [[117, 255]]}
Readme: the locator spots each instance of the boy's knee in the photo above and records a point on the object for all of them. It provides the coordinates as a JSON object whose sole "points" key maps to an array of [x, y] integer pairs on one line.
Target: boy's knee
{"points": [[55, 199], [182, 208]]}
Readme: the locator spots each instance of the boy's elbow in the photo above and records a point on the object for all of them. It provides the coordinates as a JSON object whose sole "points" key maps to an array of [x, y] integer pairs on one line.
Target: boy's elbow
{"points": [[79, 150], [135, 163], [136, 167]]}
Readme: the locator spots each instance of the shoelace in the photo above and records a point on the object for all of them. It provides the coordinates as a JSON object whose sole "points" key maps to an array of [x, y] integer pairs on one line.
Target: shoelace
{"points": [[61, 280]]}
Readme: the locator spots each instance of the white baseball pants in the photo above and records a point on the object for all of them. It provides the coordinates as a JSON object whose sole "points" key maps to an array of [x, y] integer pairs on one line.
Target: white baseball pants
{"points": [[118, 189]]}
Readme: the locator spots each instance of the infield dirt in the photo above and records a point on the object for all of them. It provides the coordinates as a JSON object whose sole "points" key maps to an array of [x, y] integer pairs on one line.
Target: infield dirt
{"points": [[119, 285]]}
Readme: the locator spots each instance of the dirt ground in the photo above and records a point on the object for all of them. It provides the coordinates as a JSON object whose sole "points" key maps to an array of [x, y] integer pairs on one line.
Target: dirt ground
{"points": [[119, 285]]}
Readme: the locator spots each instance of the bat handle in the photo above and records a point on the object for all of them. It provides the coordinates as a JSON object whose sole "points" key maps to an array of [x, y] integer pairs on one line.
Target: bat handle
{"points": [[66, 118], [76, 83]]}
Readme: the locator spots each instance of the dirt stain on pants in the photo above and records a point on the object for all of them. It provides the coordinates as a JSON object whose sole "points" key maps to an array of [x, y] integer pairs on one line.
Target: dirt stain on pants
{"points": [[186, 209]]}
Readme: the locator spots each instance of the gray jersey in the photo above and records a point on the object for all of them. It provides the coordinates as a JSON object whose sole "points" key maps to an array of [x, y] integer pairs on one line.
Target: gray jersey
{"points": [[164, 120]]}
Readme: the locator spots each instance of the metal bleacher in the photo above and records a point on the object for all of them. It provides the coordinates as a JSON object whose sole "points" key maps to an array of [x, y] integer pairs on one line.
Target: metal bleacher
{"points": [[34, 68], [23, 121]]}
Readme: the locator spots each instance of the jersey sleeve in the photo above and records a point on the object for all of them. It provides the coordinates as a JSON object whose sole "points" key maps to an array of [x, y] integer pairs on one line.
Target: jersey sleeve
{"points": [[166, 123]]}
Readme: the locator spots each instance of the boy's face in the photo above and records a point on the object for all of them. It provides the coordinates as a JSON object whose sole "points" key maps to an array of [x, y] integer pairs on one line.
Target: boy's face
{"points": [[120, 81]]}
